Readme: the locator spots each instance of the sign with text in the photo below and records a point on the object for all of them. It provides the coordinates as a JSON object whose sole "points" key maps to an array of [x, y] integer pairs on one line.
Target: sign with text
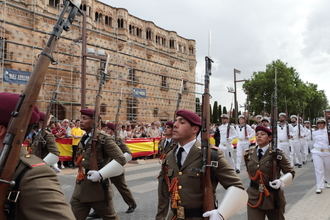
{"points": [[139, 93], [16, 76]]}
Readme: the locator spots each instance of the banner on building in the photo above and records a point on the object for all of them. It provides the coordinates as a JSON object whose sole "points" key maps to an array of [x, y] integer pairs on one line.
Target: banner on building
{"points": [[16, 76], [139, 93]]}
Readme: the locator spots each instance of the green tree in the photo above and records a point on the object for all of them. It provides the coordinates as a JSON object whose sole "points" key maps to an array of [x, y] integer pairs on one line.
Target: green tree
{"points": [[224, 110], [215, 114], [219, 113], [299, 97]]}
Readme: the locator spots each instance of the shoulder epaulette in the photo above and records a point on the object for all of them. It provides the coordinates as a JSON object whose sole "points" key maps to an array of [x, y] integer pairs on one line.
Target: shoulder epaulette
{"points": [[31, 160]]}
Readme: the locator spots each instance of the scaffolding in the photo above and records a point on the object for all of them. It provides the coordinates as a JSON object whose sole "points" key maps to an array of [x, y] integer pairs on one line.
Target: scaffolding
{"points": [[24, 28]]}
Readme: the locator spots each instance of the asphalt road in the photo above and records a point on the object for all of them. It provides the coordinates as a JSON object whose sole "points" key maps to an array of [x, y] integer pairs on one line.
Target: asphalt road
{"points": [[302, 202]]}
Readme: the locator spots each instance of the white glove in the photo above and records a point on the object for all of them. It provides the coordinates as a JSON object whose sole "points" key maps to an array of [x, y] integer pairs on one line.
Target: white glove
{"points": [[55, 167], [213, 215], [51, 159], [276, 184], [94, 176], [128, 157]]}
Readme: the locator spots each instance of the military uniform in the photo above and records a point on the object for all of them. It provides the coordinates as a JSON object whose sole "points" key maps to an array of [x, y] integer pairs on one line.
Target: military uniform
{"points": [[226, 137], [120, 182], [40, 195], [189, 182], [263, 199], [295, 143], [244, 133], [283, 137], [96, 195], [164, 147], [44, 143]]}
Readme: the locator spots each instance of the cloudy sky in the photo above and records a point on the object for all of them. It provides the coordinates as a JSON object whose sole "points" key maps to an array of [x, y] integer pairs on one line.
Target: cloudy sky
{"points": [[247, 35]]}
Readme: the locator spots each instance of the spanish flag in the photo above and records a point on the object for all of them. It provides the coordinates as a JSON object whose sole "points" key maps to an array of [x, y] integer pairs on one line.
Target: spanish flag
{"points": [[64, 145]]}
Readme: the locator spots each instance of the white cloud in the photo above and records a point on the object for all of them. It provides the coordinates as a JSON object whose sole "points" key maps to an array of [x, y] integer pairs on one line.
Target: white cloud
{"points": [[247, 35]]}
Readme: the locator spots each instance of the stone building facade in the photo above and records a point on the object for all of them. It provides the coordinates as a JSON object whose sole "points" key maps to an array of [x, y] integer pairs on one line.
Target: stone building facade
{"points": [[147, 64]]}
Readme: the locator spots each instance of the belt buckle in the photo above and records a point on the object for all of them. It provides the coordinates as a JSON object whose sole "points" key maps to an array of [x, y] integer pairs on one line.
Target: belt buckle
{"points": [[13, 196], [261, 187]]}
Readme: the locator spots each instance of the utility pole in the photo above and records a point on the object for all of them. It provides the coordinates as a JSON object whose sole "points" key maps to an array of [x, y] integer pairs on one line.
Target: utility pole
{"points": [[83, 62]]}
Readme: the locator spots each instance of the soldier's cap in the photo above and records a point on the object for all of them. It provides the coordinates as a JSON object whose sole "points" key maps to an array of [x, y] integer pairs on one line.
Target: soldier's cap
{"points": [[224, 116], [66, 120], [265, 129], [241, 116], [7, 106], [258, 116], [307, 122], [190, 116], [293, 116], [282, 114], [111, 126], [42, 116], [87, 111], [320, 120], [170, 124], [265, 119]]}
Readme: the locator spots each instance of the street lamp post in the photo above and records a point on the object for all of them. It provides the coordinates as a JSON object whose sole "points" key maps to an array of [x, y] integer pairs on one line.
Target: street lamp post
{"points": [[235, 93]]}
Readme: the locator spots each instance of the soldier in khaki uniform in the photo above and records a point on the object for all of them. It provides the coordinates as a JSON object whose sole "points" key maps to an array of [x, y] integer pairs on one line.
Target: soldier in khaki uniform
{"points": [[40, 193], [43, 144], [266, 197], [184, 176], [119, 181], [164, 147], [92, 188]]}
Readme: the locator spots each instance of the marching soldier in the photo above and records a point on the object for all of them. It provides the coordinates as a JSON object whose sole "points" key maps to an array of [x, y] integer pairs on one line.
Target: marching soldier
{"points": [[321, 155], [265, 122], [245, 133], [307, 141], [43, 144], [92, 189], [183, 175], [283, 136], [264, 165], [119, 181], [258, 119], [227, 135], [165, 146], [297, 134], [38, 191]]}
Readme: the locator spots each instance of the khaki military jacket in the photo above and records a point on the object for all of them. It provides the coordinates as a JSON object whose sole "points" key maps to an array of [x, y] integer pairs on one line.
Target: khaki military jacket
{"points": [[276, 198], [43, 144], [161, 146], [40, 195], [123, 147], [106, 150], [189, 176]]}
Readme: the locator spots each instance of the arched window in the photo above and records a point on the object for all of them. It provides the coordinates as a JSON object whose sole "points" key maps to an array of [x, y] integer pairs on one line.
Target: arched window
{"points": [[120, 23], [96, 16], [148, 34], [103, 109], [54, 3]]}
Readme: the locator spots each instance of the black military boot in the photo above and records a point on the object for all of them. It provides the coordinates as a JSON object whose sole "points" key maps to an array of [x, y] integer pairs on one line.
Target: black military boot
{"points": [[131, 208]]}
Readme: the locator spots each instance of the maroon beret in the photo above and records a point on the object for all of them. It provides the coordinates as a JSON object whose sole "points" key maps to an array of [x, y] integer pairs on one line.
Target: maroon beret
{"points": [[190, 116], [170, 124], [7, 106], [265, 129], [111, 126], [87, 111], [42, 116]]}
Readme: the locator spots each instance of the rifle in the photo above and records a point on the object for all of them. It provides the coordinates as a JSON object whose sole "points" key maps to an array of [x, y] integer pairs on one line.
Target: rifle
{"points": [[208, 196], [327, 122], [18, 125], [117, 115], [228, 126], [102, 77], [274, 127], [178, 101]]}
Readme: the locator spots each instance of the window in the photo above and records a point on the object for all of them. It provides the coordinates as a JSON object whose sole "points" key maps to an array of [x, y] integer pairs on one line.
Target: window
{"points": [[185, 88], [83, 7], [132, 108], [103, 109], [148, 34], [96, 16], [108, 20], [131, 75], [172, 44], [120, 23], [191, 50], [164, 82], [155, 112], [54, 3], [3, 48]]}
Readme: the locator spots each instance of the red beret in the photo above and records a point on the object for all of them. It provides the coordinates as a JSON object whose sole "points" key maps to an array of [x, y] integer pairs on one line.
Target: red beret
{"points": [[42, 116], [190, 116], [111, 126], [262, 128], [170, 124], [87, 111], [7, 106]]}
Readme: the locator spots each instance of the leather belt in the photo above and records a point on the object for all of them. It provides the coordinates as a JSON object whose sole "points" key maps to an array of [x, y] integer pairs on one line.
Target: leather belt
{"points": [[282, 141], [255, 185]]}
